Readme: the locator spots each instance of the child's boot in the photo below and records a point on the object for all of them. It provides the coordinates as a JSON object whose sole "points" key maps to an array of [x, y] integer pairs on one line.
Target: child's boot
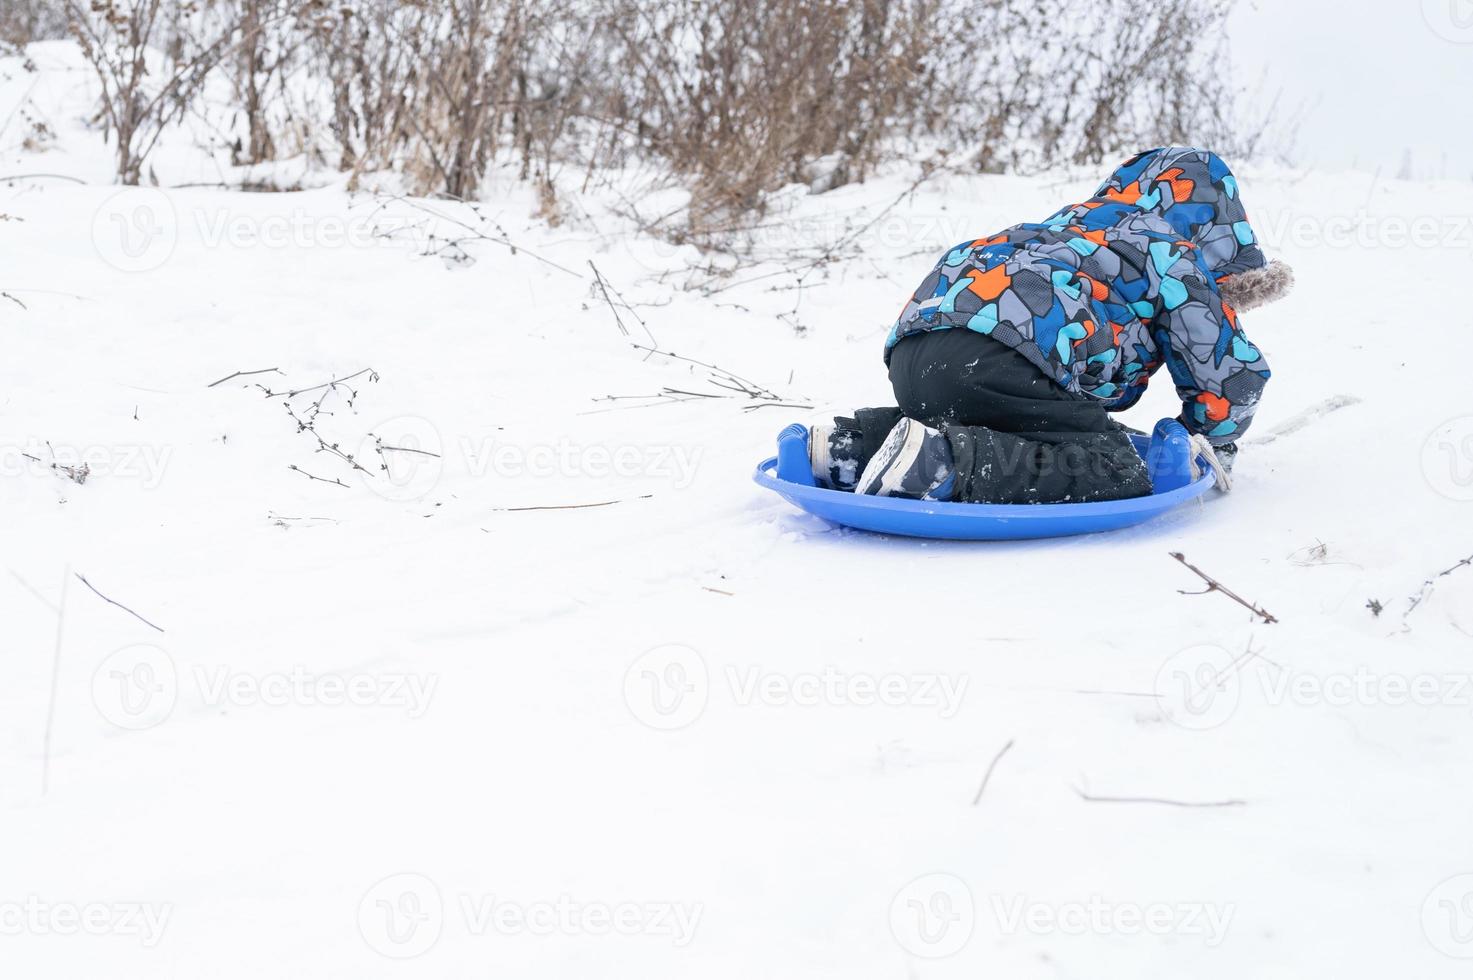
{"points": [[914, 462], [836, 454]]}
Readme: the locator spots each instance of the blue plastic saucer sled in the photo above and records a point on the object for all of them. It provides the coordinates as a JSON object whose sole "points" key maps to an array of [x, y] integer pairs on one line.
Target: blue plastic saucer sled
{"points": [[790, 475]]}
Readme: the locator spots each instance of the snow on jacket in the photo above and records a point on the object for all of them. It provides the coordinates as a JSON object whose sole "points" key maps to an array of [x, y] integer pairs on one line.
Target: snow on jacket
{"points": [[1104, 293]]}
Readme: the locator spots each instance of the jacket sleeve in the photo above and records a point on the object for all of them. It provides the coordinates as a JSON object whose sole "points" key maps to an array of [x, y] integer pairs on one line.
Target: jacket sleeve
{"points": [[1219, 374]]}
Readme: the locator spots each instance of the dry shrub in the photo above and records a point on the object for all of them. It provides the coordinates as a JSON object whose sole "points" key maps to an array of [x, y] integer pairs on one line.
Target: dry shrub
{"points": [[734, 97], [418, 87], [24, 21], [152, 58], [1058, 81], [744, 95]]}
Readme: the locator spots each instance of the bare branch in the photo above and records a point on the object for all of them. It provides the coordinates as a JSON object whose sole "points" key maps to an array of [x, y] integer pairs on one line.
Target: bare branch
{"points": [[605, 288], [1213, 585], [55, 680], [243, 374], [125, 609], [328, 385], [601, 503], [1426, 591], [987, 777], [1162, 801], [337, 483]]}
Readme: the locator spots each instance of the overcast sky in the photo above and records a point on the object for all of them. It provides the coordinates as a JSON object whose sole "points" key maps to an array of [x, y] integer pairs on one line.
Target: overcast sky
{"points": [[1375, 78]]}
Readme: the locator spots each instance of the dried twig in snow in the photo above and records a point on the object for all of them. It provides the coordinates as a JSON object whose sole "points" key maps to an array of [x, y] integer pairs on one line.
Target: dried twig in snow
{"points": [[1213, 585], [1427, 586], [242, 374], [339, 483], [1162, 801], [987, 777], [125, 609], [601, 503]]}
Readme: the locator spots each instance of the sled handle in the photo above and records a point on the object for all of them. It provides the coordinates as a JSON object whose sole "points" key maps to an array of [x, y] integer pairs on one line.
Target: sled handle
{"points": [[792, 456]]}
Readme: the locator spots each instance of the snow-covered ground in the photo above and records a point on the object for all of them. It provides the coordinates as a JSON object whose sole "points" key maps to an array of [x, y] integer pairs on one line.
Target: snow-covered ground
{"points": [[440, 720]]}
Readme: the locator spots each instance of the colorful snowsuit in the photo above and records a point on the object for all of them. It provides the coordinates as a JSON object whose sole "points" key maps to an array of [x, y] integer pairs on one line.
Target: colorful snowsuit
{"points": [[1103, 293]]}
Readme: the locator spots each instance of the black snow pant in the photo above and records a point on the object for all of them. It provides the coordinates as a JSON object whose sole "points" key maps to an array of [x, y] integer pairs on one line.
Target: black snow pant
{"points": [[1016, 436]]}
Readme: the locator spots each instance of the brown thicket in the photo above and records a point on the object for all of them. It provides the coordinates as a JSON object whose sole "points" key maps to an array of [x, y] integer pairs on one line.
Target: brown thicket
{"points": [[732, 97]]}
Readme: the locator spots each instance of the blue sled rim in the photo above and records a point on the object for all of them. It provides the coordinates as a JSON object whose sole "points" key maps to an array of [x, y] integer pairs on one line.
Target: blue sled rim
{"points": [[977, 522]]}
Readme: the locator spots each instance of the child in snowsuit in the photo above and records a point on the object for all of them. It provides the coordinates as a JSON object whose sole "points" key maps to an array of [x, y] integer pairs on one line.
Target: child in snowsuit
{"points": [[1010, 355]]}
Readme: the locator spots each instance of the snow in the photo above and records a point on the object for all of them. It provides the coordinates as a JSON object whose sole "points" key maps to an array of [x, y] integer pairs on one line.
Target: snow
{"points": [[404, 726]]}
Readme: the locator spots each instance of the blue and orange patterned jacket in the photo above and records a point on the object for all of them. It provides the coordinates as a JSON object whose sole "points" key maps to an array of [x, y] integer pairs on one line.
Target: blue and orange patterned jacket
{"points": [[1104, 293]]}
